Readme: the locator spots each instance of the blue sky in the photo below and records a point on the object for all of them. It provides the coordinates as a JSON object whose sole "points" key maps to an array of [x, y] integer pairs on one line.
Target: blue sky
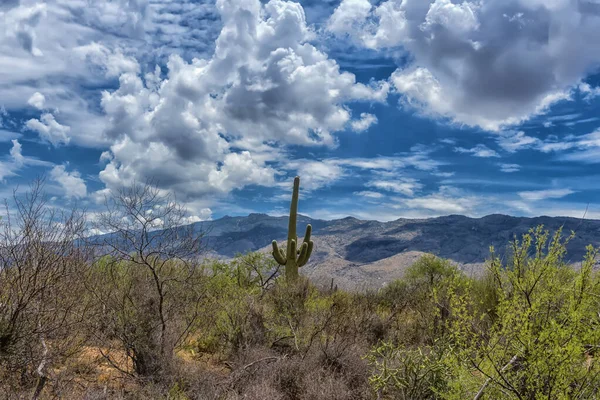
{"points": [[386, 109]]}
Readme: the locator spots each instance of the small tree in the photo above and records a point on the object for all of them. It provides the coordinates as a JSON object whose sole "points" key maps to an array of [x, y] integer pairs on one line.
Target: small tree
{"points": [[146, 279], [543, 329], [41, 266], [255, 270], [429, 280]]}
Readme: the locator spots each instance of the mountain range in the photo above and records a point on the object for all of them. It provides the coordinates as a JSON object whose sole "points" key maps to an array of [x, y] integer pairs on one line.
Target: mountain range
{"points": [[368, 254]]}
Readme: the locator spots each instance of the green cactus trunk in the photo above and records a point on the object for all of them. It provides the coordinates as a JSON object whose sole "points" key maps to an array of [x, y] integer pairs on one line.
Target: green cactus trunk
{"points": [[294, 258], [291, 267]]}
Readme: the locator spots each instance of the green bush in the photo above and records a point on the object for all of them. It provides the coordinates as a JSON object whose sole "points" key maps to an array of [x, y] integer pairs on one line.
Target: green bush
{"points": [[406, 374]]}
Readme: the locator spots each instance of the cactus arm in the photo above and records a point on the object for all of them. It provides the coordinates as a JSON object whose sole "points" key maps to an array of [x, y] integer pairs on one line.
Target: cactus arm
{"points": [[303, 260], [278, 254], [302, 253], [308, 233], [293, 250]]}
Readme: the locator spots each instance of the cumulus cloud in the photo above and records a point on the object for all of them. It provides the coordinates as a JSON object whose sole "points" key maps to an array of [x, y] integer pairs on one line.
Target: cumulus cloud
{"points": [[50, 130], [71, 182], [211, 125], [9, 168], [112, 61], [16, 153], [482, 63], [204, 214], [480, 150], [53, 47], [316, 174], [11, 165], [364, 123], [19, 26], [37, 100]]}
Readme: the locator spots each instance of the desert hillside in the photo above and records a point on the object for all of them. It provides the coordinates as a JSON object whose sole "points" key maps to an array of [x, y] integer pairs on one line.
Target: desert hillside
{"points": [[357, 253]]}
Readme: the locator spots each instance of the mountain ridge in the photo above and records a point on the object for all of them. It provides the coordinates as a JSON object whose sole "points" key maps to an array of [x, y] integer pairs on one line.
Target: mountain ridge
{"points": [[370, 253]]}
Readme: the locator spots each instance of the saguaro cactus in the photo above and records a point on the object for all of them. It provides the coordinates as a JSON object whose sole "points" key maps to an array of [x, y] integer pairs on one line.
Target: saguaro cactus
{"points": [[294, 257]]}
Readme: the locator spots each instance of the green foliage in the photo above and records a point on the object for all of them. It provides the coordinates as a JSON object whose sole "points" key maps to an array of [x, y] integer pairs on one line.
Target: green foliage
{"points": [[542, 328], [254, 271], [430, 280], [405, 374], [527, 328], [294, 257]]}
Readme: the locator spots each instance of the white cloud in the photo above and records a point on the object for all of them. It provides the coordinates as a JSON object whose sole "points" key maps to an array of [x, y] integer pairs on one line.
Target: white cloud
{"points": [[349, 15], [50, 130], [204, 214], [448, 200], [100, 196], [405, 186], [508, 168], [419, 157], [106, 156], [16, 153], [514, 141], [19, 27], [364, 123], [6, 170], [588, 91], [239, 170], [112, 62], [537, 195], [37, 100], [220, 123], [370, 194], [316, 174], [375, 27], [41, 45], [456, 18], [71, 182], [17, 161], [582, 149], [480, 150], [481, 62]]}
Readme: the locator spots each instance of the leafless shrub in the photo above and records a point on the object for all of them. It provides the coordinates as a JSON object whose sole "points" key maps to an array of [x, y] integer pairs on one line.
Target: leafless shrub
{"points": [[41, 296], [147, 282]]}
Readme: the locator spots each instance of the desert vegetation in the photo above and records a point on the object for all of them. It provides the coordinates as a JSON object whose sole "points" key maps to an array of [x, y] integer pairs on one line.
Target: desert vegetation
{"points": [[140, 314]]}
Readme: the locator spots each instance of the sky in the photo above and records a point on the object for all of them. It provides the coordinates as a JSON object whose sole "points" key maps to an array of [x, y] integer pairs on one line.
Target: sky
{"points": [[384, 108]]}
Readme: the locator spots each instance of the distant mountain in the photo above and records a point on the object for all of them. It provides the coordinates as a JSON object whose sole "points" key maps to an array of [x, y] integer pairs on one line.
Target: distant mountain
{"points": [[358, 253]]}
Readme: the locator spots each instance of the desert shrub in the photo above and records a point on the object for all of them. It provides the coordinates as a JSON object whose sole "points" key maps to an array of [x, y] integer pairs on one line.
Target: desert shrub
{"points": [[425, 293], [405, 373], [261, 372], [254, 270], [146, 283], [41, 305], [145, 319], [544, 325]]}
